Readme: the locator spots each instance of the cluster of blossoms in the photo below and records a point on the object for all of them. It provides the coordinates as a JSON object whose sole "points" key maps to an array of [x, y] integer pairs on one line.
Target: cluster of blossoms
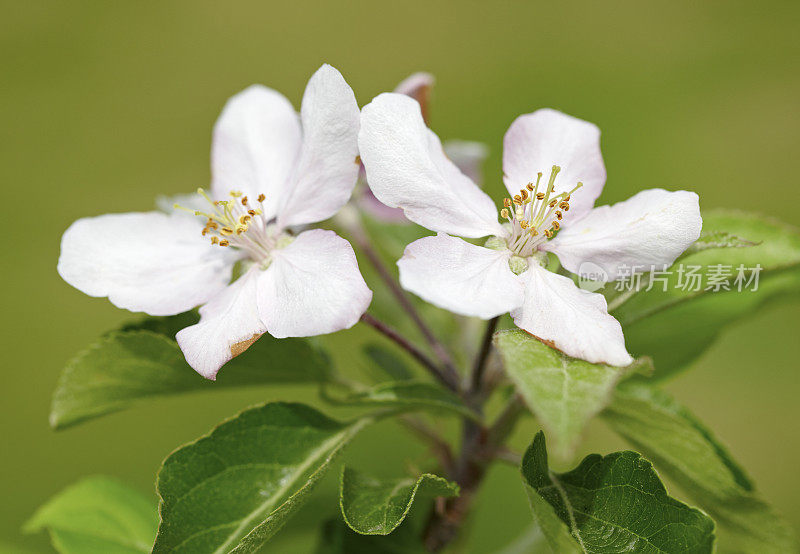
{"points": [[275, 172]]}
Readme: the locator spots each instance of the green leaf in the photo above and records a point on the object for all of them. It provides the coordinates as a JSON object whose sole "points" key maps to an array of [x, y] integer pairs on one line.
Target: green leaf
{"points": [[233, 489], [387, 363], [371, 506], [690, 455], [563, 393], [126, 366], [98, 514], [675, 326], [717, 239], [406, 395], [532, 539], [613, 503], [337, 538], [163, 325]]}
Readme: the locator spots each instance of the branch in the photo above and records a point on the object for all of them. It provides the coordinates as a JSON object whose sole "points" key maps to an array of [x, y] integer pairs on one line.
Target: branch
{"points": [[479, 365], [360, 238], [406, 345]]}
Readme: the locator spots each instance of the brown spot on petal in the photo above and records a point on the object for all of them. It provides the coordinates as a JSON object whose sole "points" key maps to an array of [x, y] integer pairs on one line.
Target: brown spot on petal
{"points": [[240, 347], [549, 343]]}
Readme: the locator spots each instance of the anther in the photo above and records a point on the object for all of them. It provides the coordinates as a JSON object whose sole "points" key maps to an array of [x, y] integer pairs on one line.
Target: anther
{"points": [[529, 186], [559, 215], [524, 194], [548, 233], [504, 213], [507, 202], [556, 225], [261, 197], [523, 224], [226, 231], [553, 203], [244, 201], [214, 240], [517, 199], [539, 195], [224, 243]]}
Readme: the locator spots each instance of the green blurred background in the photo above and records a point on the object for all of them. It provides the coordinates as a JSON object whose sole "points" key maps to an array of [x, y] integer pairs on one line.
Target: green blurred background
{"points": [[105, 105]]}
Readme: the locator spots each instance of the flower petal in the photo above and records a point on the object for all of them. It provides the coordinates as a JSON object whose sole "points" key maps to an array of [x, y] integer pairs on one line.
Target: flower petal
{"points": [[228, 325], [575, 321], [407, 168], [460, 277], [537, 141], [312, 287], [255, 147], [648, 230], [328, 165], [468, 156], [418, 86], [144, 262]]}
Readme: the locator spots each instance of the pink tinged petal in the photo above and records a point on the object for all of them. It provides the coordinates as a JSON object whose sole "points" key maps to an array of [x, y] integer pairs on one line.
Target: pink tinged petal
{"points": [[407, 168], [649, 230], [328, 165], [572, 320], [144, 262], [379, 210], [537, 141], [418, 86], [468, 156], [255, 147], [312, 287], [460, 277], [228, 325]]}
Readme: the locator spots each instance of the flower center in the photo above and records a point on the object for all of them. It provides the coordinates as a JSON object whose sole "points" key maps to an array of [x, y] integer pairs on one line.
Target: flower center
{"points": [[239, 224], [534, 214]]}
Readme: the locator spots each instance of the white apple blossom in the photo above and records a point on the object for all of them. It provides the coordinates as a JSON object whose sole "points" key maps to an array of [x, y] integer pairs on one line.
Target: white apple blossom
{"points": [[554, 172], [467, 155], [272, 169]]}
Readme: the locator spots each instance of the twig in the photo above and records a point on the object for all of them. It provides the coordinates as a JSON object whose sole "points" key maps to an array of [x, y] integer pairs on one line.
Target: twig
{"points": [[476, 377], [406, 345], [439, 446], [508, 456], [505, 422], [359, 236]]}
